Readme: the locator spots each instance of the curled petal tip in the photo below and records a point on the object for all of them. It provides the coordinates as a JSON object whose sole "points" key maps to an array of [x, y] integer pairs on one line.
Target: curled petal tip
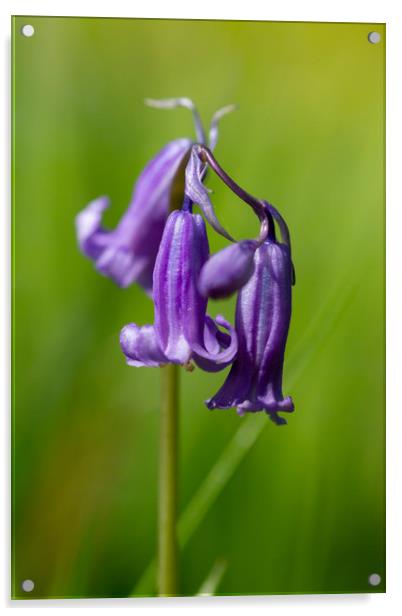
{"points": [[217, 355], [140, 346], [88, 224]]}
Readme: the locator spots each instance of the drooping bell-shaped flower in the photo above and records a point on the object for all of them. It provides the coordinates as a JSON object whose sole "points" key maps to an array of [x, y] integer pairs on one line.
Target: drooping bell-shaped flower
{"points": [[182, 331], [263, 312], [263, 271], [127, 253]]}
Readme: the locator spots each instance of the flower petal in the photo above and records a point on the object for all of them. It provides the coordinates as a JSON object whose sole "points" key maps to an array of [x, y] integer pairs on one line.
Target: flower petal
{"points": [[235, 387], [179, 307], [216, 359], [88, 225], [128, 253], [140, 346]]}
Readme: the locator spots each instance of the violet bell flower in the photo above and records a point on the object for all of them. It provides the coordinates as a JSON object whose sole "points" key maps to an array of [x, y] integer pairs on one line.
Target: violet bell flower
{"points": [[127, 253], [263, 271], [263, 313], [182, 331]]}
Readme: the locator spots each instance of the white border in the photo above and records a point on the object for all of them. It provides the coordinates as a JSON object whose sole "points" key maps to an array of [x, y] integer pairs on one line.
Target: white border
{"points": [[285, 10]]}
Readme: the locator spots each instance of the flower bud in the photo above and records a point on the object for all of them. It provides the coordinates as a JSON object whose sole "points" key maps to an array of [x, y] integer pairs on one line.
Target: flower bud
{"points": [[228, 270]]}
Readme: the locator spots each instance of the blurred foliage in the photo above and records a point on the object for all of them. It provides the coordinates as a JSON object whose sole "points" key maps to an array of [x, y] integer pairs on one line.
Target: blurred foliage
{"points": [[301, 507]]}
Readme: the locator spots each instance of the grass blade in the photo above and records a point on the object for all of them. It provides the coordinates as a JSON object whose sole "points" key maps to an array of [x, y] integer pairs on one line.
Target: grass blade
{"points": [[211, 583]]}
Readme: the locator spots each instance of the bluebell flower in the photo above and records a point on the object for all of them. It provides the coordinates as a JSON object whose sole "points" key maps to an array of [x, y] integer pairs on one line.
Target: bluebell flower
{"points": [[262, 272], [263, 313], [127, 253], [182, 331]]}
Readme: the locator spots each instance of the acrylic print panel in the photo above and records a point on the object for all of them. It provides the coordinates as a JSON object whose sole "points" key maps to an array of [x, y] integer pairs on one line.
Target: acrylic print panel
{"points": [[259, 508]]}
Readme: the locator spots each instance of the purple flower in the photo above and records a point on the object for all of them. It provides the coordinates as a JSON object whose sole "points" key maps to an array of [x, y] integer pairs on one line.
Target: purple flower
{"points": [[127, 254], [263, 271], [182, 331], [263, 312]]}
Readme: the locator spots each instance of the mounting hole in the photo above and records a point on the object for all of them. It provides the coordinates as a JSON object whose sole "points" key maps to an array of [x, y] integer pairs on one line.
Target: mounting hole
{"points": [[374, 579], [28, 30], [374, 37], [28, 585]]}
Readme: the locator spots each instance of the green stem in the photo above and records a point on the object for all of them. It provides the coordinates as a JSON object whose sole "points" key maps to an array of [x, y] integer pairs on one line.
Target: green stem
{"points": [[167, 532]]}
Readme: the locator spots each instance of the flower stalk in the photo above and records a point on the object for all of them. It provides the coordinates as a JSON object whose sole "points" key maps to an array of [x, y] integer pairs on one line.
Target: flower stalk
{"points": [[167, 514], [206, 156]]}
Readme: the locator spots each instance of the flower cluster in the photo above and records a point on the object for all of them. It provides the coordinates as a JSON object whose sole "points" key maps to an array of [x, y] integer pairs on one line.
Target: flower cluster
{"points": [[166, 251]]}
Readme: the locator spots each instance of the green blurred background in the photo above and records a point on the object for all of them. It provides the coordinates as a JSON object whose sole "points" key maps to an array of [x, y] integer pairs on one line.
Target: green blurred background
{"points": [[295, 509]]}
